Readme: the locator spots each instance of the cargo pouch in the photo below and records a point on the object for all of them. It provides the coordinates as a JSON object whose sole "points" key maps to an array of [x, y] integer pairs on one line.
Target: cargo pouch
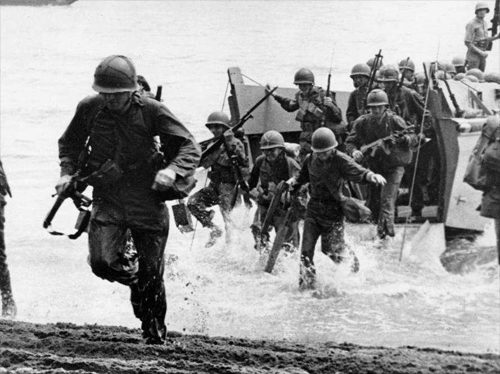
{"points": [[182, 217]]}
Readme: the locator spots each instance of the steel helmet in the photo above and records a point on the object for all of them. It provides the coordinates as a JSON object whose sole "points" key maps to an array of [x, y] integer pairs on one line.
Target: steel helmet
{"points": [[323, 139], [458, 61], [303, 76], [441, 74], [477, 73], [493, 121], [377, 97], [371, 61], [115, 74], [459, 76], [450, 68], [407, 64], [420, 78], [388, 73], [492, 77], [471, 78], [272, 139], [361, 70], [218, 118], [482, 5]]}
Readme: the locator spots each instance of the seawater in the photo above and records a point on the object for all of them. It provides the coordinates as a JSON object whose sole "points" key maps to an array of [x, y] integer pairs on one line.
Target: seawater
{"points": [[47, 59]]}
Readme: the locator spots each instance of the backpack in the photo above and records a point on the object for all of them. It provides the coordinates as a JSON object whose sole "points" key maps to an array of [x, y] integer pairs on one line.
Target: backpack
{"points": [[478, 174], [491, 159]]}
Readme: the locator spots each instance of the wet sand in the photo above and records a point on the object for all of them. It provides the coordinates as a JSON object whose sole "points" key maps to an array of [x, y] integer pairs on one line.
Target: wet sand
{"points": [[68, 348]]}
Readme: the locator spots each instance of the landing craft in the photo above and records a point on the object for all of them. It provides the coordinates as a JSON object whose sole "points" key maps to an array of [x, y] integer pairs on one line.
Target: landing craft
{"points": [[455, 206]]}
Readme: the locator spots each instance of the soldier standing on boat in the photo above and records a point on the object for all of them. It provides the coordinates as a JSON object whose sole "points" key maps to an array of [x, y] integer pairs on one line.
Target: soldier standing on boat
{"points": [[407, 71], [360, 75], [314, 108], [114, 131], [477, 39], [387, 159], [410, 105], [9, 309], [326, 170], [222, 177], [270, 168]]}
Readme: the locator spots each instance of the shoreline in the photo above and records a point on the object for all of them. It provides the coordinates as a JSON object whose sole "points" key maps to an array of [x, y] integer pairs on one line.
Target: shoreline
{"points": [[64, 347]]}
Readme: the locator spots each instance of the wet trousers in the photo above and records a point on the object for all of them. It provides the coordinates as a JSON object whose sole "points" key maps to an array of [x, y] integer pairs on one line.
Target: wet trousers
{"points": [[292, 236], [5, 286], [108, 235], [327, 221], [215, 194], [382, 200]]}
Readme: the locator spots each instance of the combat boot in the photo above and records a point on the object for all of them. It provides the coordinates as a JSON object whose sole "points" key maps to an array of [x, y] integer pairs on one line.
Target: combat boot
{"points": [[9, 309], [135, 300], [215, 233]]}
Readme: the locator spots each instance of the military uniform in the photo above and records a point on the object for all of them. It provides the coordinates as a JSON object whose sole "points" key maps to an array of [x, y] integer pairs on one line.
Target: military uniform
{"points": [[476, 32], [324, 216], [312, 112], [268, 175], [409, 104], [356, 105], [125, 202], [8, 305], [221, 189], [381, 200]]}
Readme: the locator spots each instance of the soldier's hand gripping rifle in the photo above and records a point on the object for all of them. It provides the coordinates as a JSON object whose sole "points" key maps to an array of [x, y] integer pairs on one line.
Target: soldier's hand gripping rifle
{"points": [[216, 145], [380, 143], [373, 73], [73, 191], [494, 24]]}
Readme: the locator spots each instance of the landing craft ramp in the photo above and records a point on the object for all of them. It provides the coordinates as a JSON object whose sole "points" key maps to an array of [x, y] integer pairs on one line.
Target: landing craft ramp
{"points": [[454, 203]]}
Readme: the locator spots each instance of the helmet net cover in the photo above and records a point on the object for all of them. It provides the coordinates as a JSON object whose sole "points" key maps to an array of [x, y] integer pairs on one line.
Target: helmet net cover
{"points": [[115, 74]]}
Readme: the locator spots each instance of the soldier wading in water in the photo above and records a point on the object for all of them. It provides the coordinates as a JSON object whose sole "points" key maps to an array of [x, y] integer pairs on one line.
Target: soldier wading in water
{"points": [[389, 157], [222, 177], [268, 171], [115, 132], [325, 170]]}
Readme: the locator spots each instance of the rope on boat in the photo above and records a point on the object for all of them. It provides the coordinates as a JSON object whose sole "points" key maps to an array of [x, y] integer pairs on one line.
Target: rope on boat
{"points": [[414, 176], [254, 81]]}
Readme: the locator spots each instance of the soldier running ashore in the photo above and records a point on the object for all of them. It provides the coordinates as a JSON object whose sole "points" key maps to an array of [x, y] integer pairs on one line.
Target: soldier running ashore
{"points": [[325, 170], [115, 129], [222, 177], [268, 171], [389, 158], [314, 109]]}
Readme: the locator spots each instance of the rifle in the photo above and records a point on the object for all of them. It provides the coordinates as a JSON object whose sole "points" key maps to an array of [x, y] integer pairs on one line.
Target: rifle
{"points": [[158, 93], [395, 134], [458, 112], [74, 192], [373, 73], [494, 24], [216, 145], [240, 181], [282, 231], [280, 188], [328, 89]]}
